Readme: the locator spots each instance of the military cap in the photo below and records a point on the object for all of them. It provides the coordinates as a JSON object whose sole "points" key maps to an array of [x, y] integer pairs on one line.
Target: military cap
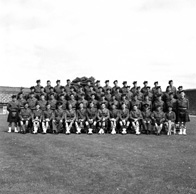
{"points": [[146, 104], [59, 104], [148, 87], [38, 81], [170, 81], [80, 102], [19, 93], [62, 95], [138, 87], [13, 96], [48, 81], [125, 82], [52, 94], [159, 95], [62, 87], [102, 103], [51, 88], [106, 81], [123, 95], [100, 87], [156, 82], [117, 88], [115, 81], [108, 89], [158, 87], [145, 82], [91, 86], [102, 95], [128, 86], [58, 81], [92, 94], [26, 103], [169, 105], [82, 94], [135, 82], [32, 93], [42, 94], [180, 87], [98, 81], [32, 87], [68, 80]]}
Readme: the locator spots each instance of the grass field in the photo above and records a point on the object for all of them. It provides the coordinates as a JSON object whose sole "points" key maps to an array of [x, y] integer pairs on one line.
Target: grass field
{"points": [[97, 164]]}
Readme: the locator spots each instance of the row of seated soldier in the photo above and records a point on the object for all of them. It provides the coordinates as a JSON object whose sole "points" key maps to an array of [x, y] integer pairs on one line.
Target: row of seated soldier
{"points": [[95, 109]]}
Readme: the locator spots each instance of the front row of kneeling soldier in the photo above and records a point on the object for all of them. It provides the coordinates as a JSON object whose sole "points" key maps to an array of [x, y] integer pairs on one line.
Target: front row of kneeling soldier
{"points": [[103, 120]]}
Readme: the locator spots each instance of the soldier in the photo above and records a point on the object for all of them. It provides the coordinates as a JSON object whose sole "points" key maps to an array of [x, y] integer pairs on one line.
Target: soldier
{"points": [[87, 87], [159, 102], [115, 86], [21, 100], [32, 90], [99, 93], [42, 102], [82, 100], [63, 92], [154, 89], [106, 86], [80, 118], [91, 118], [149, 93], [103, 100], [173, 88], [36, 118], [118, 94], [124, 100], [144, 90], [67, 87], [103, 117], [135, 101], [129, 94], [38, 88], [47, 87], [124, 119], [171, 102], [25, 116], [58, 118], [13, 108], [72, 101], [57, 88], [139, 94], [136, 117], [108, 95], [124, 88], [183, 115], [52, 102], [170, 119], [158, 118], [70, 117], [32, 101], [114, 101], [165, 96], [48, 117], [180, 88], [157, 93], [62, 101], [95, 102], [90, 92], [80, 92], [97, 85], [134, 88], [146, 101], [146, 121], [41, 93], [51, 92], [114, 118]]}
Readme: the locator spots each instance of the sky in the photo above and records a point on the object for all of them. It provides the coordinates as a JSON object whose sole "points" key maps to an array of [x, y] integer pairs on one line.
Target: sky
{"points": [[127, 40]]}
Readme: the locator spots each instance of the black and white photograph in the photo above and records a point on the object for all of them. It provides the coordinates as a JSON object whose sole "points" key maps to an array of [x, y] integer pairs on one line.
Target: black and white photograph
{"points": [[98, 97]]}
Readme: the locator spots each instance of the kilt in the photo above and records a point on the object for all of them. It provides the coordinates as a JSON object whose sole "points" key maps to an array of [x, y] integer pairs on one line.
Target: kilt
{"points": [[13, 117], [183, 116]]}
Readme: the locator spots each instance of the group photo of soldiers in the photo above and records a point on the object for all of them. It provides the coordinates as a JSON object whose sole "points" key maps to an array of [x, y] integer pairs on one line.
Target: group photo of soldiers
{"points": [[84, 106]]}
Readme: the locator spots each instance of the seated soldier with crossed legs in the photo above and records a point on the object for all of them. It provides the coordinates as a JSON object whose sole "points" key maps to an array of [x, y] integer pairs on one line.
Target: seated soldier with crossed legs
{"points": [[80, 118], [158, 117], [124, 118], [25, 116], [91, 118], [170, 117], [114, 118], [136, 117], [48, 116], [70, 117], [103, 117], [36, 118], [58, 119]]}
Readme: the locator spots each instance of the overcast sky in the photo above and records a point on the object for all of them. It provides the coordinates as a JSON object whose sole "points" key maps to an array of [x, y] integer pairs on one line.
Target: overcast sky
{"points": [[152, 40]]}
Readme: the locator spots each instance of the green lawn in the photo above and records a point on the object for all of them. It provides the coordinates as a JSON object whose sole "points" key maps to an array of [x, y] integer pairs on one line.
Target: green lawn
{"points": [[97, 164]]}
